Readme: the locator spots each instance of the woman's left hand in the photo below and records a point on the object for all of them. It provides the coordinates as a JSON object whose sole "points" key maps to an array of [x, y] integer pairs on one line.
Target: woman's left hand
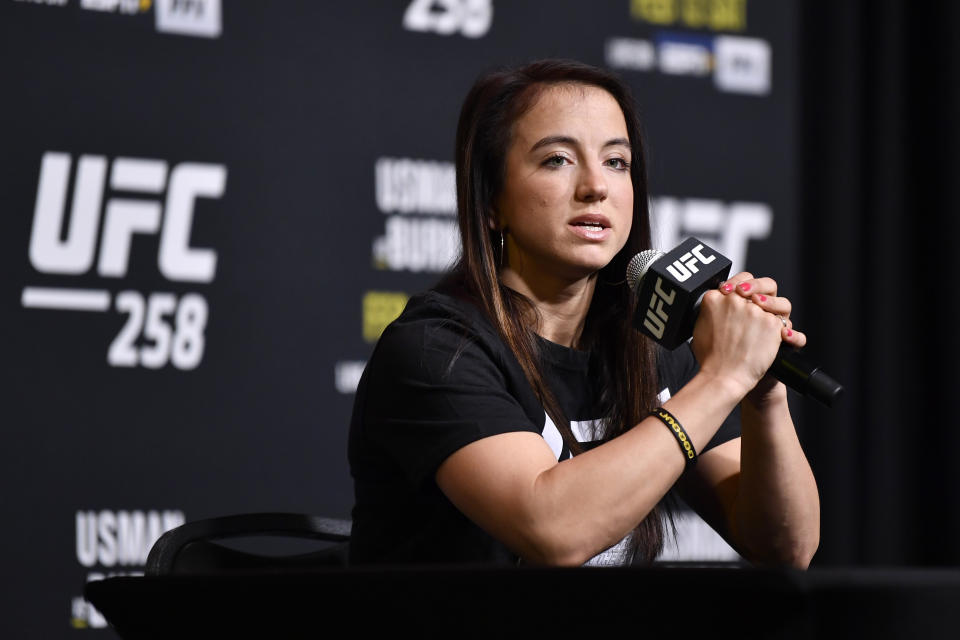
{"points": [[763, 292]]}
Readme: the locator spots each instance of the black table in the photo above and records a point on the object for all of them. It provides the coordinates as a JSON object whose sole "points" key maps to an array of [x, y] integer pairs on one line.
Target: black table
{"points": [[537, 602]]}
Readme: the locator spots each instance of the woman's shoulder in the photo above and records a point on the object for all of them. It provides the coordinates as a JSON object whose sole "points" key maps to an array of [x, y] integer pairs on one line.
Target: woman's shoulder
{"points": [[435, 310], [439, 304], [438, 321]]}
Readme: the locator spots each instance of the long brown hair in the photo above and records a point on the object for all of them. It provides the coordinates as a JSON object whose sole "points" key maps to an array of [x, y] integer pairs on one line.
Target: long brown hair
{"points": [[627, 360]]}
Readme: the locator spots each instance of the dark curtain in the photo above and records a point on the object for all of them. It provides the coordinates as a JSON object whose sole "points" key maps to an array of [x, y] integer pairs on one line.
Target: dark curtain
{"points": [[879, 212]]}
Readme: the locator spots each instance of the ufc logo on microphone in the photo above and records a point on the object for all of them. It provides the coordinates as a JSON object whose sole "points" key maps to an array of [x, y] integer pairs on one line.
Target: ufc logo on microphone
{"points": [[686, 266], [657, 317]]}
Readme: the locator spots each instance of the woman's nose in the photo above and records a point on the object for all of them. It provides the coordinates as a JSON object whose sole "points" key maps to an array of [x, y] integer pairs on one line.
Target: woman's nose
{"points": [[592, 185]]}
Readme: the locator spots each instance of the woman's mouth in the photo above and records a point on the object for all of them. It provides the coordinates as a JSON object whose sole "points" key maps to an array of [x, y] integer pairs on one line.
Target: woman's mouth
{"points": [[591, 226]]}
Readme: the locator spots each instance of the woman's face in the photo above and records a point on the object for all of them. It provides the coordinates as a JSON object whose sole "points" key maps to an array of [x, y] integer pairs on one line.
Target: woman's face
{"points": [[567, 199]]}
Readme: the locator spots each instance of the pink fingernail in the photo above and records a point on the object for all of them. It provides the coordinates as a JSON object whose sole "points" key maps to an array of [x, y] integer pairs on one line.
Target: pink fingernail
{"points": [[727, 287], [762, 297], [744, 286], [789, 333]]}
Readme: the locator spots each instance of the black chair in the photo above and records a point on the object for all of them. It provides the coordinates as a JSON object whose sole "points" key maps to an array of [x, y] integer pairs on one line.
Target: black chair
{"points": [[191, 547]]}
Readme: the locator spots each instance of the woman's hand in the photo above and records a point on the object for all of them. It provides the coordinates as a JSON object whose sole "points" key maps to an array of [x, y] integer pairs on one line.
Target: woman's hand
{"points": [[739, 331], [763, 293]]}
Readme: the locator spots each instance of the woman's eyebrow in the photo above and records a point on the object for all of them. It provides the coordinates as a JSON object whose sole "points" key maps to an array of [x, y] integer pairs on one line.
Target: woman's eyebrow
{"points": [[543, 142], [561, 139], [615, 142]]}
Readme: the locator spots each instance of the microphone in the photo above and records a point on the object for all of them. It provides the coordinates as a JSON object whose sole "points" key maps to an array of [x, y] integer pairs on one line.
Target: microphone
{"points": [[669, 287]]}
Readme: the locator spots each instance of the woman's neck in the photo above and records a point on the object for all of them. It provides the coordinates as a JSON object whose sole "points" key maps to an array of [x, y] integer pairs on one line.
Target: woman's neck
{"points": [[562, 304]]}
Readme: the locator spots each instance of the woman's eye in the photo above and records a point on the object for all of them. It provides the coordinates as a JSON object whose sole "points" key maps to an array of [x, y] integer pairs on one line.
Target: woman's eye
{"points": [[619, 163], [555, 161]]}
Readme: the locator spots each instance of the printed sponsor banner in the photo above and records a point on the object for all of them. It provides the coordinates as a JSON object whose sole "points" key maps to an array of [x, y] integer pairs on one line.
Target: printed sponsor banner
{"points": [[212, 211], [115, 543]]}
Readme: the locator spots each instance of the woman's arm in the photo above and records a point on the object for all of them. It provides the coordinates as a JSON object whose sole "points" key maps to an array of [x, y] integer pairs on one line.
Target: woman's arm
{"points": [[759, 490], [512, 486], [777, 511], [565, 513]]}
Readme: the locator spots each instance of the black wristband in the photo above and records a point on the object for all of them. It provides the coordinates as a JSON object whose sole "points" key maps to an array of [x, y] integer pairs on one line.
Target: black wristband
{"points": [[685, 445]]}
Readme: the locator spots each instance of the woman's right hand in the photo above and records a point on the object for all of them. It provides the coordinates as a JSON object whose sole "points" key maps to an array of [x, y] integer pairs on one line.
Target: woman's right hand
{"points": [[735, 338]]}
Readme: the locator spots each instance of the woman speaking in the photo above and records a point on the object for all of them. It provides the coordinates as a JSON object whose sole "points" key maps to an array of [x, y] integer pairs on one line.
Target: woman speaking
{"points": [[513, 414]]}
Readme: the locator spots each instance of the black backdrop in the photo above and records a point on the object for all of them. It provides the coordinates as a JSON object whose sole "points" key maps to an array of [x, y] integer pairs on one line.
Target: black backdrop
{"points": [[302, 152], [878, 203]]}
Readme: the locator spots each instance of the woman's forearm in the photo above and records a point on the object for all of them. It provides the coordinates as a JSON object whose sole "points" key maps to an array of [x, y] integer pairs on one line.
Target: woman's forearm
{"points": [[776, 517]]}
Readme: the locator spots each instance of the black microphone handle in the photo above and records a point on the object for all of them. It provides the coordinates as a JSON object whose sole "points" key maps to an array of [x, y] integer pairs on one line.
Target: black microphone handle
{"points": [[792, 368]]}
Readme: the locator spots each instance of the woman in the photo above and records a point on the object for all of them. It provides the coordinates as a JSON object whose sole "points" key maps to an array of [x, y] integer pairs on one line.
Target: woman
{"points": [[505, 417]]}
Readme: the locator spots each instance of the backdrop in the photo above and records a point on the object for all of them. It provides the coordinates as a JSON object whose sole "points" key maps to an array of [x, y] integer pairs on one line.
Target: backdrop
{"points": [[879, 102], [211, 210]]}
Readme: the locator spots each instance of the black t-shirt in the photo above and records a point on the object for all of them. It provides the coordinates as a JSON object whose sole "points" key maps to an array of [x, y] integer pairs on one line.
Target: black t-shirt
{"points": [[440, 378]]}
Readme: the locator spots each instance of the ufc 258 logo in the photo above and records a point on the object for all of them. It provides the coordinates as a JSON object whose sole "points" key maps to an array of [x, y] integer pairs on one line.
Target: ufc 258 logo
{"points": [[167, 329]]}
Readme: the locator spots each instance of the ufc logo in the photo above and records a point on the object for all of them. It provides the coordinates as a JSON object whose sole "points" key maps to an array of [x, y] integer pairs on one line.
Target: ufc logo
{"points": [[657, 317], [73, 252], [686, 266]]}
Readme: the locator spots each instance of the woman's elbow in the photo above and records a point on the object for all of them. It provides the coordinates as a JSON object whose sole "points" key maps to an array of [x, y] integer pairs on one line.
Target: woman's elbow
{"points": [[550, 547], [547, 553], [803, 552], [793, 554]]}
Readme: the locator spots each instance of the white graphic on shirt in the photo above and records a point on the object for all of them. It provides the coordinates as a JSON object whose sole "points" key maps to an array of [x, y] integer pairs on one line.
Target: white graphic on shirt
{"points": [[552, 435], [583, 431], [588, 431]]}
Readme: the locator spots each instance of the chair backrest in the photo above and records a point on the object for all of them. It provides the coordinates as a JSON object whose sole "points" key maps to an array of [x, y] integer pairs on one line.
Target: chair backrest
{"points": [[190, 548]]}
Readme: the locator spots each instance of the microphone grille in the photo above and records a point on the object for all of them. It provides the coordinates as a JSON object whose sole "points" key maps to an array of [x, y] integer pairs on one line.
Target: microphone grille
{"points": [[637, 268]]}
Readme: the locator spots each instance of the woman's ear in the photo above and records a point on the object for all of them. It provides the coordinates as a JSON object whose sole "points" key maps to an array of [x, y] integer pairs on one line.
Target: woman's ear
{"points": [[492, 220]]}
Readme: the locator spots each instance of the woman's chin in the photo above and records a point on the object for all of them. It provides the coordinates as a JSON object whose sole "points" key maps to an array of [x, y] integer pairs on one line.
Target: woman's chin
{"points": [[590, 262], [582, 269]]}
